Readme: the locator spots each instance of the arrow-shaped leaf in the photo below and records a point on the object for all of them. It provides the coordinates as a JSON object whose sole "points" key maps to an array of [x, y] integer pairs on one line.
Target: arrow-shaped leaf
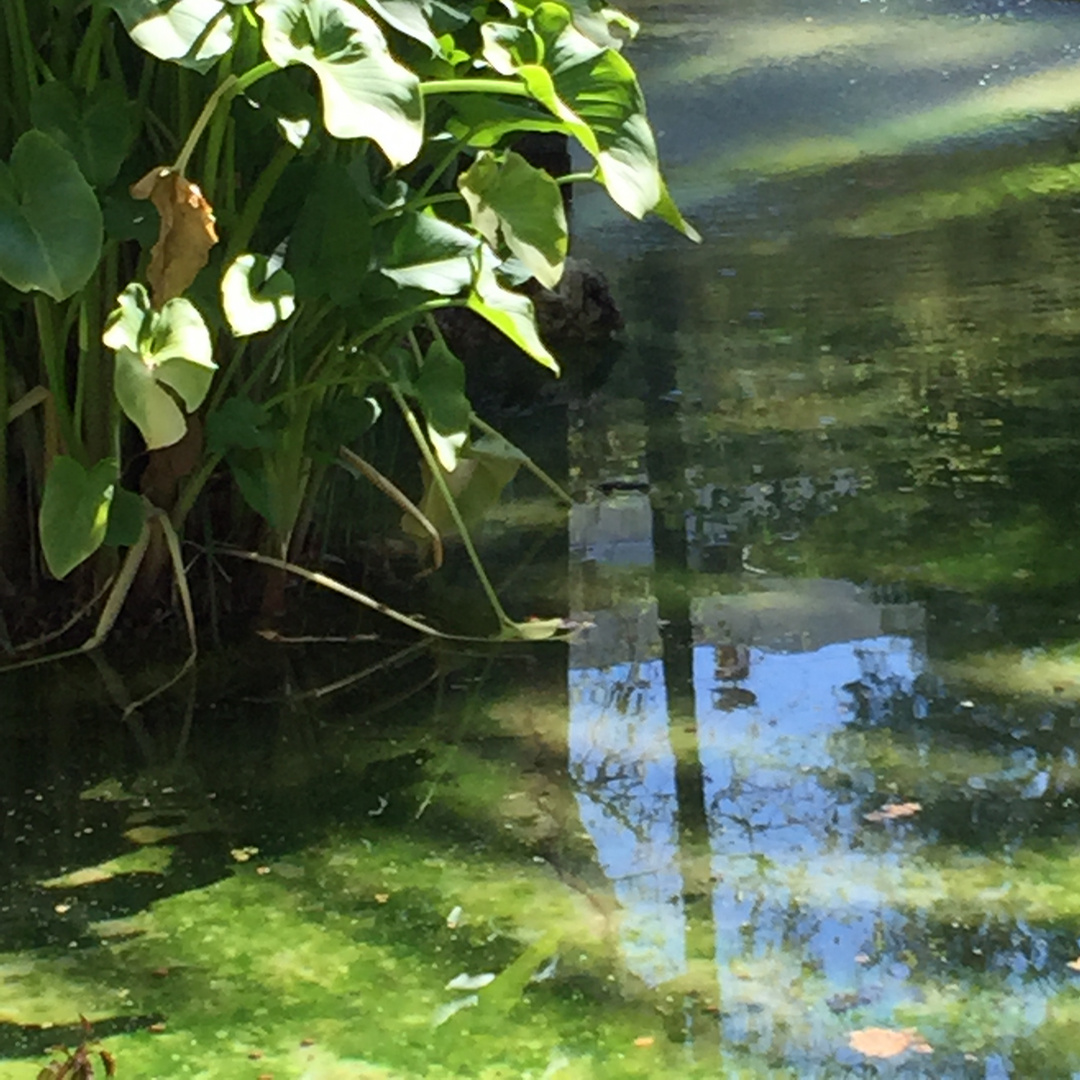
{"points": [[74, 512], [524, 205]]}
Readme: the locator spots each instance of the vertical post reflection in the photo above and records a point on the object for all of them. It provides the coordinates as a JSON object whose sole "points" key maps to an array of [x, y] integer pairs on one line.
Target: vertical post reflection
{"points": [[621, 758]]}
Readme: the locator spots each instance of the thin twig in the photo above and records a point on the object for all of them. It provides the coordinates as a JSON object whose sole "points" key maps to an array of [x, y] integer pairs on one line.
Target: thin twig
{"points": [[392, 491], [79, 615], [326, 582]]}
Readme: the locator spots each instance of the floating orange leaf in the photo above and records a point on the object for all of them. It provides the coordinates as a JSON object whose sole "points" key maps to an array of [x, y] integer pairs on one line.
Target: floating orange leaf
{"points": [[893, 811], [186, 235], [886, 1043], [645, 1040]]}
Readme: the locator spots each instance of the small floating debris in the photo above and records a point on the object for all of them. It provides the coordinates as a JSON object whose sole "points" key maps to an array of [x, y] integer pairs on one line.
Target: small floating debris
{"points": [[453, 920], [878, 1042], [470, 982], [452, 1008], [893, 812]]}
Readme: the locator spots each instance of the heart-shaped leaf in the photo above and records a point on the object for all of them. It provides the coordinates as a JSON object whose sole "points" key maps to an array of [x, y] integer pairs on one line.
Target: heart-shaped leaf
{"points": [[330, 245], [366, 92], [440, 388], [192, 33], [523, 204], [507, 310], [127, 516], [97, 130], [74, 513], [50, 221], [256, 295], [240, 424], [162, 358]]}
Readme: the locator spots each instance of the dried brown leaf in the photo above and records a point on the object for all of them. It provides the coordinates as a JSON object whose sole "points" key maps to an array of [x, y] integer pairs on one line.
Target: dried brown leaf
{"points": [[880, 1042], [893, 811], [186, 235]]}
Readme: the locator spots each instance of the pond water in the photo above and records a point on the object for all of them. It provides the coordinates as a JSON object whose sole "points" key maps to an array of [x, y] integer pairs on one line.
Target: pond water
{"points": [[801, 797]]}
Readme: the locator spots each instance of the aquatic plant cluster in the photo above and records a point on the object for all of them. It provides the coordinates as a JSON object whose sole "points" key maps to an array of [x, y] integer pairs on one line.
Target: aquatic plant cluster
{"points": [[228, 228]]}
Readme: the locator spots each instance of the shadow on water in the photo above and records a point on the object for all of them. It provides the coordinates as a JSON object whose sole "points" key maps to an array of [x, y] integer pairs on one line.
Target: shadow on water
{"points": [[801, 798]]}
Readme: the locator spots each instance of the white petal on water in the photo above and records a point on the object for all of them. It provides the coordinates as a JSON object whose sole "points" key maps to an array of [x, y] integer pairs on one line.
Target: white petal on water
{"points": [[453, 920], [470, 982], [444, 1012]]}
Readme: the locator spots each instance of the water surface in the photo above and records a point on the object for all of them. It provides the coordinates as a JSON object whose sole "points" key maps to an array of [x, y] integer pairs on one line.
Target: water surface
{"points": [[800, 799]]}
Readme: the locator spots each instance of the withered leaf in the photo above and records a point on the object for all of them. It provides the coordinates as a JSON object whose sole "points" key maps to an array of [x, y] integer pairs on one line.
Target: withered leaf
{"points": [[187, 232], [893, 811], [880, 1042]]}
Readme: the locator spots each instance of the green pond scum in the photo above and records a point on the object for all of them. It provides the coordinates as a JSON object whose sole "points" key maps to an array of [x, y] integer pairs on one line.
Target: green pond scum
{"points": [[800, 796]]}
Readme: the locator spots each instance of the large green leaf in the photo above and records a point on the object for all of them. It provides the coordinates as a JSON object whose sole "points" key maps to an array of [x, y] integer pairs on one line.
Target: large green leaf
{"points": [[440, 389], [74, 512], [421, 251], [523, 204], [164, 359], [193, 33], [256, 295], [507, 310], [366, 92], [330, 244], [97, 129], [50, 220], [593, 90], [410, 17]]}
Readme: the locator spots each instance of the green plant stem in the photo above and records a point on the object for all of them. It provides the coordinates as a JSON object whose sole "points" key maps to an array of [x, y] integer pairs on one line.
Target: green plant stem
{"points": [[84, 72], [22, 47], [473, 86], [439, 481], [52, 356], [552, 485], [256, 201], [204, 117], [259, 71], [215, 137]]}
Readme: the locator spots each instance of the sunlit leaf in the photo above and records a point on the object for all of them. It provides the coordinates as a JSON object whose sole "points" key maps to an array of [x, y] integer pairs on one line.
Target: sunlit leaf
{"points": [[410, 17], [427, 253], [522, 204], [193, 33], [506, 310], [50, 221], [160, 356], [366, 93], [74, 512], [256, 295]]}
